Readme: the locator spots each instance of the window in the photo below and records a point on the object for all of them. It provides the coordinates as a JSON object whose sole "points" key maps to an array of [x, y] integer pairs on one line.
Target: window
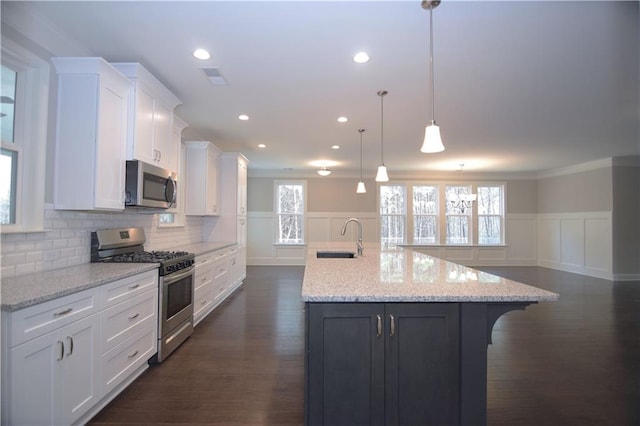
{"points": [[290, 202], [393, 211], [23, 106], [425, 214], [458, 217], [436, 219], [9, 153], [490, 208]]}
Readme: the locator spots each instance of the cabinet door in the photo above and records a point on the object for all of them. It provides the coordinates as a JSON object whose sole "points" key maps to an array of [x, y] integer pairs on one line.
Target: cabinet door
{"points": [[422, 363], [166, 151], [54, 378], [212, 181], [78, 381], [144, 121], [109, 163], [32, 378], [242, 188], [345, 367]]}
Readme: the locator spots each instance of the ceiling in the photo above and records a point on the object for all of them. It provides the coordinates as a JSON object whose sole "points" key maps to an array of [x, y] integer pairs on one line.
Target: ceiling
{"points": [[519, 86]]}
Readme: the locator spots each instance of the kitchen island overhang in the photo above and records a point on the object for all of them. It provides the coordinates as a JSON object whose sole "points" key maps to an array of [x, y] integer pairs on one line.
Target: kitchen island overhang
{"points": [[399, 337]]}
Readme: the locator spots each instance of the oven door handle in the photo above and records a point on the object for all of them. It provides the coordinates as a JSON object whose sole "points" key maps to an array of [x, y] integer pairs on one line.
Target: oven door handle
{"points": [[177, 276]]}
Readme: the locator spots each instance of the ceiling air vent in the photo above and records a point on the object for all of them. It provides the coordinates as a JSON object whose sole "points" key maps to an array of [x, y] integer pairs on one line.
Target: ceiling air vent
{"points": [[214, 76]]}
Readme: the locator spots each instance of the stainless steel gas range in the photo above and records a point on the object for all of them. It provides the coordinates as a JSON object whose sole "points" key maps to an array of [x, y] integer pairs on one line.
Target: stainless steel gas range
{"points": [[175, 306]]}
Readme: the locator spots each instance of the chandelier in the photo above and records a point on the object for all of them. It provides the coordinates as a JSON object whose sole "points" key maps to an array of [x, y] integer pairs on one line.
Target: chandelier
{"points": [[462, 201]]}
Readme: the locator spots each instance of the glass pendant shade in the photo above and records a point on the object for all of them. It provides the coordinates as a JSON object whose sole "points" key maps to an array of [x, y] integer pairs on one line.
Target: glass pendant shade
{"points": [[382, 175], [432, 140], [361, 189]]}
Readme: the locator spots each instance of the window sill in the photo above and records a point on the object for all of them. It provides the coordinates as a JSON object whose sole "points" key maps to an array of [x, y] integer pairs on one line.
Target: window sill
{"points": [[16, 229], [289, 244]]}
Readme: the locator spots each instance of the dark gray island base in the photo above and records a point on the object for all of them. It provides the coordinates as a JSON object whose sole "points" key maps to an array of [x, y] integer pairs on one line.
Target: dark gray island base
{"points": [[398, 363], [396, 337]]}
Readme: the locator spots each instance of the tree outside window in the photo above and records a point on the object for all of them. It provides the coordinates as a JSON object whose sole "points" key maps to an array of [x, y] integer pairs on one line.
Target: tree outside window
{"points": [[425, 214], [490, 213], [290, 205], [458, 218], [393, 201]]}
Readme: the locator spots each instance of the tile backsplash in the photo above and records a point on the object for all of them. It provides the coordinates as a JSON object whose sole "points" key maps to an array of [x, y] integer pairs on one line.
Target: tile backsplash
{"points": [[66, 241]]}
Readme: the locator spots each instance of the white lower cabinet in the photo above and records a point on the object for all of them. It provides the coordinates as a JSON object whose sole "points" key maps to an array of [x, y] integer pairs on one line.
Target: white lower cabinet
{"points": [[65, 359], [54, 378], [218, 274]]}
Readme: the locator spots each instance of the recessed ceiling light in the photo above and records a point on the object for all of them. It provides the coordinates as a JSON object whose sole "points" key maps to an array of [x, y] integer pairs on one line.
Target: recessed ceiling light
{"points": [[261, 145], [335, 147], [342, 119], [201, 54], [361, 58], [243, 117]]}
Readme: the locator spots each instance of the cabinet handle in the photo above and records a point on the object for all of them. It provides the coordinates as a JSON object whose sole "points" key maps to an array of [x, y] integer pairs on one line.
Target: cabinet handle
{"points": [[132, 317], [204, 302], [379, 326], [393, 325], [133, 287], [65, 312], [133, 354], [70, 345], [61, 350]]}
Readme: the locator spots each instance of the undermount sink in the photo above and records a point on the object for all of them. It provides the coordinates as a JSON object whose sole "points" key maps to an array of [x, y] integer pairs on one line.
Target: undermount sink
{"points": [[335, 254]]}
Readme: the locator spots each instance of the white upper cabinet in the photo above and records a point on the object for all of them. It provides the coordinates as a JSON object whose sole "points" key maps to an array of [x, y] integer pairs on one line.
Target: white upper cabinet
{"points": [[150, 133], [202, 173], [91, 135]]}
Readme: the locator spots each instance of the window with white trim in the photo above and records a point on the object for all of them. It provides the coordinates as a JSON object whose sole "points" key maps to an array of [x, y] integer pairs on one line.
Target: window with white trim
{"points": [[458, 216], [24, 111], [425, 214], [490, 214], [290, 208], [393, 213]]}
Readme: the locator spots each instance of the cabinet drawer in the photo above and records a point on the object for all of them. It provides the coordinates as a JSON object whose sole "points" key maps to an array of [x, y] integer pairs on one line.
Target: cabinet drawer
{"points": [[125, 358], [203, 299], [203, 278], [126, 288], [125, 319], [204, 260], [37, 320]]}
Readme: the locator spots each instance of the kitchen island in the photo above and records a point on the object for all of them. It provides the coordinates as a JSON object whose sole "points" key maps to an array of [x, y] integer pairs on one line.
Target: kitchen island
{"points": [[399, 337]]}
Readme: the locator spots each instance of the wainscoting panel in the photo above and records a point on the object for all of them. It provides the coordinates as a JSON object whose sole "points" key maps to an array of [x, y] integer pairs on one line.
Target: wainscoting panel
{"points": [[576, 242]]}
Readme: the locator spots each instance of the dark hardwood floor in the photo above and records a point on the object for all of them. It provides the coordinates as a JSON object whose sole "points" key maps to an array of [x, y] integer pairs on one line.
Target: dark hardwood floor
{"points": [[572, 362]]}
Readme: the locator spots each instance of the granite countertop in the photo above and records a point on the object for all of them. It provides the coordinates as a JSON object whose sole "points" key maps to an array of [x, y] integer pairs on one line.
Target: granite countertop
{"points": [[204, 248], [27, 290], [397, 274]]}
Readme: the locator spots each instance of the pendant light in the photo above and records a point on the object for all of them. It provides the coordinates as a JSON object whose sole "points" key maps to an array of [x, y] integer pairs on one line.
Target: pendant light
{"points": [[382, 175], [432, 140], [361, 189]]}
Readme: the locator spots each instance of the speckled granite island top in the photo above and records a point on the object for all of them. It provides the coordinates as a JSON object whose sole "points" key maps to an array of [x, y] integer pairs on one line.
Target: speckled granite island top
{"points": [[405, 275], [27, 290]]}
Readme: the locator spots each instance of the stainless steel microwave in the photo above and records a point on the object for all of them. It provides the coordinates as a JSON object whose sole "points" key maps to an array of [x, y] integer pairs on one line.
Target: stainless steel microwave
{"points": [[149, 186]]}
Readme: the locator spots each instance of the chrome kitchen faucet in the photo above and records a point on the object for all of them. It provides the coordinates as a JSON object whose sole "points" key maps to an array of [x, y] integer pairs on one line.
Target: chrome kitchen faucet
{"points": [[359, 246]]}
